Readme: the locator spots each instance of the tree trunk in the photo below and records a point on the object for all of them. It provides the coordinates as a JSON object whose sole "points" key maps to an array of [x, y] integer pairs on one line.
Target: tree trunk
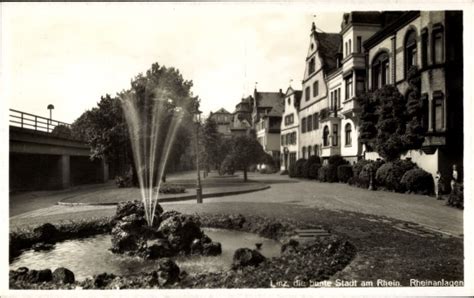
{"points": [[245, 174]]}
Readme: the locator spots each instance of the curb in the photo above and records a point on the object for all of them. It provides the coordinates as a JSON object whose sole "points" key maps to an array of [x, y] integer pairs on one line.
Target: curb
{"points": [[176, 198]]}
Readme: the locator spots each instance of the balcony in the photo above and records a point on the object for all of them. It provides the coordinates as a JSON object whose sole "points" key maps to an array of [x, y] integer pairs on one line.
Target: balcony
{"points": [[330, 150]]}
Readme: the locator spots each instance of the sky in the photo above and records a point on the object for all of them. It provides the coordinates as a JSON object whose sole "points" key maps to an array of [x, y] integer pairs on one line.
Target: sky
{"points": [[70, 54]]}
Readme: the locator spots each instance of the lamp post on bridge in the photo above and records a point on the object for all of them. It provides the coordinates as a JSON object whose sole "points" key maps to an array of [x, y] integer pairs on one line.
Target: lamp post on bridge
{"points": [[50, 108], [197, 121]]}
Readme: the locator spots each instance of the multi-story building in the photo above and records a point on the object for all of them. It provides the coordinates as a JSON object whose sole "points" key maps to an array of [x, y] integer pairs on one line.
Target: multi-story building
{"points": [[242, 116], [432, 42], [374, 49], [266, 115], [346, 81], [316, 125], [223, 120], [289, 129]]}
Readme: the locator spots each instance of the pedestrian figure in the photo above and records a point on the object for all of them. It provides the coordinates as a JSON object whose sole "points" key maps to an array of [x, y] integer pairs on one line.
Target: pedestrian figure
{"points": [[437, 182], [454, 178]]}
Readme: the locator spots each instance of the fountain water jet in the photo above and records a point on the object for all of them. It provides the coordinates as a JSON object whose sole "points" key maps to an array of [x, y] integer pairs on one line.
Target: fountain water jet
{"points": [[152, 124]]}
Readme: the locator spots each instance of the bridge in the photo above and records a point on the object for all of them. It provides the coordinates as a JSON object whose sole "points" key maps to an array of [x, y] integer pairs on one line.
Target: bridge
{"points": [[41, 158]]}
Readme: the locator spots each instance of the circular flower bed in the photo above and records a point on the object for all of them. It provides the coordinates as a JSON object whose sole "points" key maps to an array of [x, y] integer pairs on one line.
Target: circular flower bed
{"points": [[314, 260]]}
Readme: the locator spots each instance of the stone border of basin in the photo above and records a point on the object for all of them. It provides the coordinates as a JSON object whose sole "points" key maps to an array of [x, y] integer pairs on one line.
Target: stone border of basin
{"points": [[300, 264], [163, 198]]}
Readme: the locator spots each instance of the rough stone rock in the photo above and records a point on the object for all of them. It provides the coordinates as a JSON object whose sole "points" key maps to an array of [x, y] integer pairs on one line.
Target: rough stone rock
{"points": [[103, 279], [123, 241], [18, 274], [211, 249], [180, 230], [37, 276], [46, 232], [135, 207], [196, 246], [42, 246], [63, 275], [168, 214], [246, 257], [289, 246], [167, 271], [158, 248]]}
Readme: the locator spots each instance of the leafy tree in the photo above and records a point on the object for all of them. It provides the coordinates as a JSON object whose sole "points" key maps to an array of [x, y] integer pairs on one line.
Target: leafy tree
{"points": [[105, 129], [210, 141], [391, 122], [368, 120], [245, 151], [62, 131], [414, 135]]}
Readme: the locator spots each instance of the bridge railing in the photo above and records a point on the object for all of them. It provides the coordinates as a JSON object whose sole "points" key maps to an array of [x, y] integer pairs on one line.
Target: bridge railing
{"points": [[34, 122]]}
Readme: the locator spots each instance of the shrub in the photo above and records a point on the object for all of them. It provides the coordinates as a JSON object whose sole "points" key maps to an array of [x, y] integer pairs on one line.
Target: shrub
{"points": [[456, 197], [307, 166], [356, 181], [299, 167], [124, 181], [313, 171], [363, 179], [292, 171], [405, 164], [327, 173], [171, 189], [389, 176], [344, 172], [284, 172], [357, 167], [337, 160], [418, 181], [227, 166]]}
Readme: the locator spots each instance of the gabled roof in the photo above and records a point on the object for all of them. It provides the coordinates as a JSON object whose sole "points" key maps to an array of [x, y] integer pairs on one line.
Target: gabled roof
{"points": [[273, 100], [221, 111], [328, 47]]}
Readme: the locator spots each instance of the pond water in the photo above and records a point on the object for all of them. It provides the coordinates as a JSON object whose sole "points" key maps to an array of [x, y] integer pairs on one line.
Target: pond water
{"points": [[89, 256]]}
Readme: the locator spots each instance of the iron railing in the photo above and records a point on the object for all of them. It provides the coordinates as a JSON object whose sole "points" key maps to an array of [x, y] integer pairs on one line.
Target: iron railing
{"points": [[34, 122]]}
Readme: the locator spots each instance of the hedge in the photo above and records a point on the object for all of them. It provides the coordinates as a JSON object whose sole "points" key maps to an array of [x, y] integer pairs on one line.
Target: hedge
{"points": [[313, 171], [307, 167], [363, 179], [299, 167], [337, 160], [390, 174], [344, 173], [227, 167], [327, 173], [357, 167], [418, 181]]}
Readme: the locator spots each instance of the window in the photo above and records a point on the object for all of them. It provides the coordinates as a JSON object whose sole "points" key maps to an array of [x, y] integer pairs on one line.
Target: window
{"points": [[360, 84], [311, 66], [315, 121], [303, 125], [334, 135], [315, 88], [345, 44], [424, 48], [438, 46], [289, 100], [316, 151], [283, 140], [348, 134], [309, 123], [307, 92], [350, 47], [349, 87], [359, 44], [331, 106], [303, 152], [326, 136], [338, 97], [438, 101], [309, 151], [410, 50], [425, 107], [380, 71]]}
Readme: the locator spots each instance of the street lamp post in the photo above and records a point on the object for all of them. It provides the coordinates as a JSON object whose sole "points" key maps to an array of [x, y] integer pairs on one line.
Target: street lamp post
{"points": [[197, 120], [50, 108]]}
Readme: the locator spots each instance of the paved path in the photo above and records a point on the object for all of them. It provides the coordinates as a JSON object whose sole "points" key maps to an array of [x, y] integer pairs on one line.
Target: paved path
{"points": [[310, 194]]}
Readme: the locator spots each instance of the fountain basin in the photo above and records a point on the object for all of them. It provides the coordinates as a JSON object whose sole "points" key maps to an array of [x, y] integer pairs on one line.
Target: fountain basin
{"points": [[90, 256]]}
